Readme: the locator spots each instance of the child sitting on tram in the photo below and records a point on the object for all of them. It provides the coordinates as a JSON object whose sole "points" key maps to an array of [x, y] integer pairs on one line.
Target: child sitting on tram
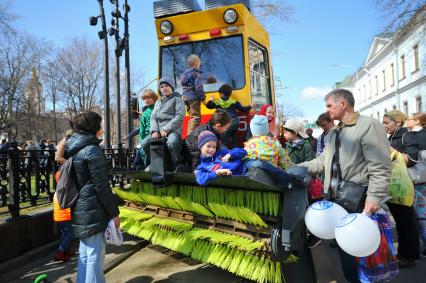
{"points": [[265, 152], [166, 120], [217, 163], [149, 98], [218, 124]]}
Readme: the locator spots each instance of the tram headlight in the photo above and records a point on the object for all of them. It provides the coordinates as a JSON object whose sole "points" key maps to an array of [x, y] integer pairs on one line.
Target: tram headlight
{"points": [[166, 27], [230, 16]]}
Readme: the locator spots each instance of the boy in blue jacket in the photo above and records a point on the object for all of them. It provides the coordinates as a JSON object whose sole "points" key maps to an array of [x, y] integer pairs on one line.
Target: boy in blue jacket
{"points": [[213, 164]]}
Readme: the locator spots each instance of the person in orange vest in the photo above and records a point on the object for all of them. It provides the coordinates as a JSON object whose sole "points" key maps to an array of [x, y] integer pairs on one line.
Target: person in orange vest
{"points": [[62, 217]]}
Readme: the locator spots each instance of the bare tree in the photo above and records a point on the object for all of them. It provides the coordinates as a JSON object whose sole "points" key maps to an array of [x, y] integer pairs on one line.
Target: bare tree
{"points": [[79, 69], [398, 13], [270, 11], [19, 54], [6, 17]]}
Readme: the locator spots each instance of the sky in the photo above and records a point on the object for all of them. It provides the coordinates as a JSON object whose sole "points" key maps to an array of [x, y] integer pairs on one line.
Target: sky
{"points": [[303, 51]]}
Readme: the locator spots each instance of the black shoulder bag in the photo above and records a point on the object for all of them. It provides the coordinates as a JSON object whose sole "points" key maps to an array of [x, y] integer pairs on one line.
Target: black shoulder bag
{"points": [[351, 196]]}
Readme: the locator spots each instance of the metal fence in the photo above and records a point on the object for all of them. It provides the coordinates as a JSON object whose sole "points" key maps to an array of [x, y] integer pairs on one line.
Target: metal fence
{"points": [[27, 176]]}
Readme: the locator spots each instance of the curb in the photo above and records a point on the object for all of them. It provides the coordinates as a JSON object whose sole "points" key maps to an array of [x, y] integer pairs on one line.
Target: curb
{"points": [[28, 257]]}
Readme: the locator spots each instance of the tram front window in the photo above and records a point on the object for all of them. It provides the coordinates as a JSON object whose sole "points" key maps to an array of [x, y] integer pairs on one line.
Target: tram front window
{"points": [[222, 61]]}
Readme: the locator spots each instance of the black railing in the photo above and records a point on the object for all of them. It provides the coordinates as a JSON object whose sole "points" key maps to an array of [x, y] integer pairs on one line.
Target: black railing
{"points": [[27, 177]]}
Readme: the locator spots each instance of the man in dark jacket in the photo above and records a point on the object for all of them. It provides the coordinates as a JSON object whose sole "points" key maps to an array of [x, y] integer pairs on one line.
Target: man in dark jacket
{"points": [[218, 124], [95, 205]]}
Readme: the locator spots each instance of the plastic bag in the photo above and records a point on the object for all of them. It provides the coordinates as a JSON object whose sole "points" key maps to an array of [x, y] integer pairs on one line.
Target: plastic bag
{"points": [[401, 187], [315, 189], [382, 265]]}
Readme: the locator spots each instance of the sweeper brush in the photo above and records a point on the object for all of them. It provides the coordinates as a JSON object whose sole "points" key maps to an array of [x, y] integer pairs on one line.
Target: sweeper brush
{"points": [[250, 226], [231, 224]]}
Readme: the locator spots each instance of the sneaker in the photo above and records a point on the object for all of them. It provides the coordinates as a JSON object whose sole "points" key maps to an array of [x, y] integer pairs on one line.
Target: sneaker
{"points": [[405, 262], [148, 168], [60, 256], [423, 253], [70, 252], [312, 242]]}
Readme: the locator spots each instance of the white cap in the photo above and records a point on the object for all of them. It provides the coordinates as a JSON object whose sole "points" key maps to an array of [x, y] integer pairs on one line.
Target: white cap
{"points": [[296, 126]]}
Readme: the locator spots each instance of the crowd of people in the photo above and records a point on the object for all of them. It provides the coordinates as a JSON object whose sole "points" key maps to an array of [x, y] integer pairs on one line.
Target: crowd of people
{"points": [[357, 149]]}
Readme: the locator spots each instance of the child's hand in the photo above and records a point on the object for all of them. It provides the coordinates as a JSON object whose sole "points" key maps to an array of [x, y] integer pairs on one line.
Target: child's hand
{"points": [[223, 172], [163, 134], [155, 135], [212, 97], [226, 158]]}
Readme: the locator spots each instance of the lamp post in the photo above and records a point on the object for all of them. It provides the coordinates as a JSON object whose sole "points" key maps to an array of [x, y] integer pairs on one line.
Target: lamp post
{"points": [[126, 9], [103, 35], [114, 30]]}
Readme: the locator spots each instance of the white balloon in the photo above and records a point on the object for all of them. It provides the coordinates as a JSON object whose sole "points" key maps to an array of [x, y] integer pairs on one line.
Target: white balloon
{"points": [[321, 218], [358, 235]]}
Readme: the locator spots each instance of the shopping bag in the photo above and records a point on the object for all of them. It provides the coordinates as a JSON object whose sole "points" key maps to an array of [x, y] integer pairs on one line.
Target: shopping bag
{"points": [[315, 189], [381, 265], [401, 187]]}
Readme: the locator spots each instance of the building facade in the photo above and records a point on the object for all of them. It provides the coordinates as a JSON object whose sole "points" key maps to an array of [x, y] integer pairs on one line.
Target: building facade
{"points": [[394, 73]]}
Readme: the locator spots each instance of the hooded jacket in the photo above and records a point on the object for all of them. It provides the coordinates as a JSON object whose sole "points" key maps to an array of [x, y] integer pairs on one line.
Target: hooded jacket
{"points": [[168, 114], [192, 85], [192, 141], [206, 170], [95, 205], [145, 122]]}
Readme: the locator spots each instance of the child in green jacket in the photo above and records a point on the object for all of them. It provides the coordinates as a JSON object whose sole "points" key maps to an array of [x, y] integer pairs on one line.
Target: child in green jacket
{"points": [[149, 98]]}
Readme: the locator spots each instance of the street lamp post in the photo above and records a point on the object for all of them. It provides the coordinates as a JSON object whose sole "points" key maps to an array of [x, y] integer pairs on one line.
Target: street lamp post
{"points": [[103, 35], [114, 30], [126, 8]]}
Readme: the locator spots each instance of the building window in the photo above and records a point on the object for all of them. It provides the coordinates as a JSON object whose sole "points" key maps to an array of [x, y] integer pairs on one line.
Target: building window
{"points": [[384, 80], [416, 58], [405, 107], [419, 105], [377, 84], [378, 115], [394, 107], [402, 67], [365, 92], [386, 111], [392, 74], [370, 90]]}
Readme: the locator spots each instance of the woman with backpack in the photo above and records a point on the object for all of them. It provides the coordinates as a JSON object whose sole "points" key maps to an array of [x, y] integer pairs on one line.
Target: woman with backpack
{"points": [[95, 205]]}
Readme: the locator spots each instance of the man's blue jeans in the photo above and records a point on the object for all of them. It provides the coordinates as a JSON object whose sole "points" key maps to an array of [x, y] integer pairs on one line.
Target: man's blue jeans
{"points": [[65, 229], [90, 268]]}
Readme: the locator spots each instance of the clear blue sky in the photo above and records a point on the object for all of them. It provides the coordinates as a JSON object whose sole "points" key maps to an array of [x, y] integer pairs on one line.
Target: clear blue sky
{"points": [[303, 52]]}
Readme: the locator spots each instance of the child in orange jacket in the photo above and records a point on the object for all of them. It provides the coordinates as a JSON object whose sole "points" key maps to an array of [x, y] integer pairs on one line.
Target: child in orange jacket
{"points": [[62, 217]]}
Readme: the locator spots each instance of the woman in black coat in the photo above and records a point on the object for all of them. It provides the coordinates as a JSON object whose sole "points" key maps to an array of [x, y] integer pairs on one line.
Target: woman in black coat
{"points": [[405, 219], [95, 205]]}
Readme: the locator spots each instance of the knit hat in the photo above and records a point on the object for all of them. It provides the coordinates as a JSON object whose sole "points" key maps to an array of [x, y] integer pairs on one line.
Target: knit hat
{"points": [[396, 115], [296, 125], [166, 81], [259, 126], [204, 137]]}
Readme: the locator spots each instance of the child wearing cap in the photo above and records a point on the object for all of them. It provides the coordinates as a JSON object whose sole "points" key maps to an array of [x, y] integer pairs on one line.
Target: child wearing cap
{"points": [[229, 137], [298, 147], [264, 147], [218, 124], [217, 163], [192, 90], [166, 120]]}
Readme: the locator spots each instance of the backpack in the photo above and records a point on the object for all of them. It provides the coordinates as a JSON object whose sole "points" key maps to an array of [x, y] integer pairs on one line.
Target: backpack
{"points": [[66, 189]]}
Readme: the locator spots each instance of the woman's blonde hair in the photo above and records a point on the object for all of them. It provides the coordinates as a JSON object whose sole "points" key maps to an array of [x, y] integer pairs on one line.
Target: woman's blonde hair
{"points": [[420, 116]]}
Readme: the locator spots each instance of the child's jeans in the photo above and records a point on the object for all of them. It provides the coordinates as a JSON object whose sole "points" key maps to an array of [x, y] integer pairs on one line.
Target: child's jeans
{"points": [[194, 110], [279, 175], [66, 235]]}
